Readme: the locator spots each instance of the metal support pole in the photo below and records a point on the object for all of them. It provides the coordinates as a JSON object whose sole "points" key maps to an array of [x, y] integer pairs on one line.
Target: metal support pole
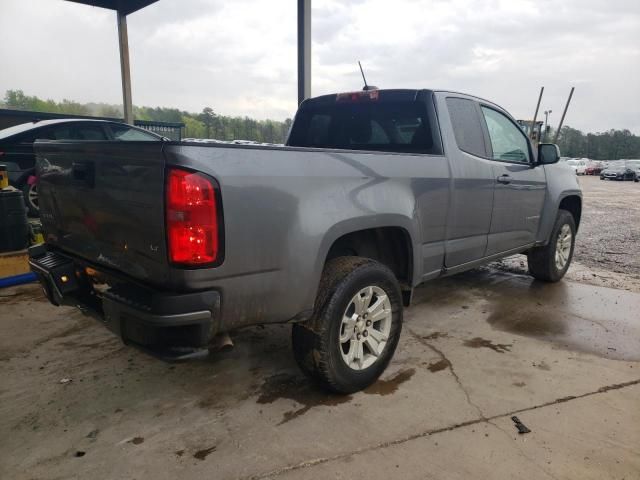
{"points": [[546, 122], [304, 50], [564, 112], [123, 41], [535, 116]]}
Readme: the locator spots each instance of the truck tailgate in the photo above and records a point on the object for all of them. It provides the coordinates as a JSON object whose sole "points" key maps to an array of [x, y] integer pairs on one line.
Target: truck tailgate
{"points": [[104, 202]]}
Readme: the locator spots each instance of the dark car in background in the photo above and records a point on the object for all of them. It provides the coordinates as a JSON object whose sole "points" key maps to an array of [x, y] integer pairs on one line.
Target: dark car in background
{"points": [[620, 173], [16, 146]]}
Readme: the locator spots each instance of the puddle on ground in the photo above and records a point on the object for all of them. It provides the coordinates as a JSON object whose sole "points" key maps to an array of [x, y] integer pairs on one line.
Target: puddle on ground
{"points": [[589, 319], [573, 316], [524, 322], [204, 453], [438, 366], [300, 390], [391, 385], [478, 342], [436, 335]]}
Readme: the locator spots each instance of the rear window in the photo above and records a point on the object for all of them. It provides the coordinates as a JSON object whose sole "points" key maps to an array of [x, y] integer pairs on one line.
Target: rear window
{"points": [[390, 126]]}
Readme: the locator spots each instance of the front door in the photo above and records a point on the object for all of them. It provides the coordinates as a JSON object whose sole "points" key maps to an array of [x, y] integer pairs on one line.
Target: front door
{"points": [[520, 186]]}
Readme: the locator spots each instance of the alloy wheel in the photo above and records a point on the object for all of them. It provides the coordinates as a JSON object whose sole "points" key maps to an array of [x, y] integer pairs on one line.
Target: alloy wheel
{"points": [[365, 327]]}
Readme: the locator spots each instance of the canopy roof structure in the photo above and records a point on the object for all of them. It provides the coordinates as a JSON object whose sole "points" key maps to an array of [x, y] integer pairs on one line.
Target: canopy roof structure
{"points": [[127, 7], [124, 7]]}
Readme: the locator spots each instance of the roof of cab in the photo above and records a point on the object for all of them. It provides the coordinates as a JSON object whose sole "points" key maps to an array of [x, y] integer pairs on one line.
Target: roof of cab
{"points": [[407, 93]]}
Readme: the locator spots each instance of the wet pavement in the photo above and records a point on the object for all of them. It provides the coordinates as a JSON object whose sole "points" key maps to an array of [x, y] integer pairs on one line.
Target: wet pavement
{"points": [[476, 349]]}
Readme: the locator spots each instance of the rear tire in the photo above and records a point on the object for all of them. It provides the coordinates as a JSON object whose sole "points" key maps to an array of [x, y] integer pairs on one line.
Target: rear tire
{"points": [[355, 327], [30, 193], [551, 262]]}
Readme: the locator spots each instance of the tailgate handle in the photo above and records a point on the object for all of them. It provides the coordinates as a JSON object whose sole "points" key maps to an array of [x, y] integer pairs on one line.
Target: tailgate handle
{"points": [[83, 172]]}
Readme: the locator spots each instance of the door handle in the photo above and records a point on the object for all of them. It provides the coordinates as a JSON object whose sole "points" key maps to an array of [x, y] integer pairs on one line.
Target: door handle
{"points": [[504, 179]]}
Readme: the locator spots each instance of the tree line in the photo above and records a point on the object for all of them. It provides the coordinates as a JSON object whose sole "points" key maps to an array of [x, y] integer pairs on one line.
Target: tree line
{"points": [[609, 145], [206, 124]]}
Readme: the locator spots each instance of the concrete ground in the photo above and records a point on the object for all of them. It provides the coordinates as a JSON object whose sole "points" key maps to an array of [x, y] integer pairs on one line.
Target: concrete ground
{"points": [[476, 350]]}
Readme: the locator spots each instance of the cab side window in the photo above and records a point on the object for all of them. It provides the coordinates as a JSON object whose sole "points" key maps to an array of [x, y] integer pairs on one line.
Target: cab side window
{"points": [[508, 143], [466, 126]]}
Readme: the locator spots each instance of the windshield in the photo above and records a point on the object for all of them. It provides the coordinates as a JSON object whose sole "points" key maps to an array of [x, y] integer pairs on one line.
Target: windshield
{"points": [[9, 132], [391, 126]]}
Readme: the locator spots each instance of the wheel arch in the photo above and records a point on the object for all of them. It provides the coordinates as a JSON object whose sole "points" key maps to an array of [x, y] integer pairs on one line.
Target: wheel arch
{"points": [[388, 239], [572, 204]]}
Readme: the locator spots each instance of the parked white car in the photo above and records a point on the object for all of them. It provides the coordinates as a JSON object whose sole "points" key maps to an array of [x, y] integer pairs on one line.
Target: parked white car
{"points": [[579, 166]]}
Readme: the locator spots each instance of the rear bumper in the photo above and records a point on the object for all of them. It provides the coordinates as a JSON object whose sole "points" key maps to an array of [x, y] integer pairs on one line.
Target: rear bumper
{"points": [[168, 324]]}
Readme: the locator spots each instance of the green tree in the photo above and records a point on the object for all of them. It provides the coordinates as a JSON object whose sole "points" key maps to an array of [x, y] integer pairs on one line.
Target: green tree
{"points": [[207, 117]]}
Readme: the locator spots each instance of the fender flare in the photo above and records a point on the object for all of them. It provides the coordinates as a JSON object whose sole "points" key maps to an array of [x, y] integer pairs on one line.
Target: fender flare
{"points": [[352, 225]]}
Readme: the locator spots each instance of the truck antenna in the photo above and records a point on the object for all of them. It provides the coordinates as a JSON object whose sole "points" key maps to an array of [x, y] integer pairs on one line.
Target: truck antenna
{"points": [[366, 87]]}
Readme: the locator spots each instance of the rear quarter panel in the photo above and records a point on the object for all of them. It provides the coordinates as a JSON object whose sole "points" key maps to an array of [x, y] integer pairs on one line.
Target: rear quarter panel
{"points": [[283, 208]]}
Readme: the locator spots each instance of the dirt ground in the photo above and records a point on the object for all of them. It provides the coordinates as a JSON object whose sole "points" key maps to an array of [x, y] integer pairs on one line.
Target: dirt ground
{"points": [[610, 234], [477, 350]]}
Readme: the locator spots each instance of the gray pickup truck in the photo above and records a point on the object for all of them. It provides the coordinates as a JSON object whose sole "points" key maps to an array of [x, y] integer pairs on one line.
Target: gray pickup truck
{"points": [[171, 244]]}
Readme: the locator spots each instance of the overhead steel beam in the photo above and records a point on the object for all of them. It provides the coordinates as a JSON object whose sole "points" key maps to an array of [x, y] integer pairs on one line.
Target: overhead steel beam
{"points": [[304, 50], [123, 6], [123, 41]]}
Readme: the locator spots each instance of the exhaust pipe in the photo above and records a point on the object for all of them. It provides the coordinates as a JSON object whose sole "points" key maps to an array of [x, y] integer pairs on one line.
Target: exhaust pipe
{"points": [[221, 343]]}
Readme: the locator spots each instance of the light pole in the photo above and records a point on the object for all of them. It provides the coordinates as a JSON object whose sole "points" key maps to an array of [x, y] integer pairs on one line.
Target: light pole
{"points": [[546, 121]]}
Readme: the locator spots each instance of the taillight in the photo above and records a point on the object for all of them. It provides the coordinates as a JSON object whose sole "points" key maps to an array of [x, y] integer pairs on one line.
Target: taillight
{"points": [[193, 233]]}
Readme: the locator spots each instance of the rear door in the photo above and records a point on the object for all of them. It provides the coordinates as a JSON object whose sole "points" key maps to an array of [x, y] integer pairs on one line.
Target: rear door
{"points": [[472, 183], [520, 186], [104, 202]]}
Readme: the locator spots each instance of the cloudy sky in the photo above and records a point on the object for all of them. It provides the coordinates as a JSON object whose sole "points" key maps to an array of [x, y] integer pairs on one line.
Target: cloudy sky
{"points": [[239, 56]]}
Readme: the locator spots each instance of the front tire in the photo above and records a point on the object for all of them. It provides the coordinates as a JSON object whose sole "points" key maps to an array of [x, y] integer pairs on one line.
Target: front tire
{"points": [[551, 262], [355, 327]]}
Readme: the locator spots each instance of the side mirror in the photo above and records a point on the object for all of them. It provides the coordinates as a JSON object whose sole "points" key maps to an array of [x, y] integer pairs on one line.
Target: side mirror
{"points": [[548, 153]]}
